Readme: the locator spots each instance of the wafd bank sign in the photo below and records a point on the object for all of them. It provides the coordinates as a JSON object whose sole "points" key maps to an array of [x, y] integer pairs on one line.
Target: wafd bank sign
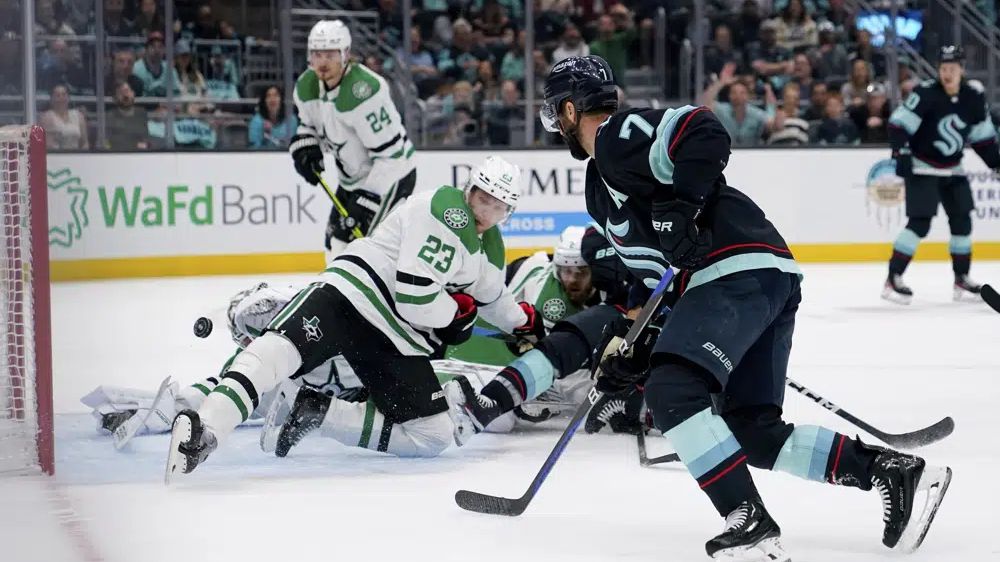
{"points": [[190, 205]]}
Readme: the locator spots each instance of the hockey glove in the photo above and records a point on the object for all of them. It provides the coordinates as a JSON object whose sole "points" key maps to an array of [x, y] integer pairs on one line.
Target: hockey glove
{"points": [[684, 244], [460, 329], [361, 207], [618, 373], [308, 157], [904, 162], [619, 412]]}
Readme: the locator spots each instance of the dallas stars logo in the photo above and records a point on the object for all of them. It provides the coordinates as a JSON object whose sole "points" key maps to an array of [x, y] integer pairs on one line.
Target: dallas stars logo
{"points": [[554, 309], [311, 327], [63, 185], [456, 218]]}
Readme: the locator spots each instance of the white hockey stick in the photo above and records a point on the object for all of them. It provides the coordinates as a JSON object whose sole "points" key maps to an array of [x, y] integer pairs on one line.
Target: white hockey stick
{"points": [[126, 431]]}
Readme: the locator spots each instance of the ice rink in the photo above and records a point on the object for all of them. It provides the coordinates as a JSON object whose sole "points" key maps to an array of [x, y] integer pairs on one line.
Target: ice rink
{"points": [[900, 368]]}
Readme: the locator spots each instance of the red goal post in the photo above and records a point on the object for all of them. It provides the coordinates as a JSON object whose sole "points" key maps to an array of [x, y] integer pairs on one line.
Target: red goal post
{"points": [[26, 430]]}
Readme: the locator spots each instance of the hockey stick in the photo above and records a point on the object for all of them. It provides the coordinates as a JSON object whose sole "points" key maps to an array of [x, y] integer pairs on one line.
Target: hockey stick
{"points": [[338, 205], [646, 461], [912, 440], [497, 505], [991, 297]]}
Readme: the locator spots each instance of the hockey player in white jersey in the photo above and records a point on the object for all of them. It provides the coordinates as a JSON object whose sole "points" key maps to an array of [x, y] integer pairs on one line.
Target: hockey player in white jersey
{"points": [[387, 303], [346, 110]]}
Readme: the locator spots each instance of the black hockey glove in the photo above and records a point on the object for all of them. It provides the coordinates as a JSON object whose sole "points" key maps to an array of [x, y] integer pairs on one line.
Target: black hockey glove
{"points": [[361, 207], [460, 329], [684, 244], [308, 157], [618, 374], [904, 162], [621, 413]]}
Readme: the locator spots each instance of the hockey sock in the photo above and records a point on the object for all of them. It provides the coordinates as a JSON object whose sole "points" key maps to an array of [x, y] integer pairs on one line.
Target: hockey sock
{"points": [[361, 424], [818, 454], [523, 379], [902, 251], [961, 254], [254, 371], [193, 396], [678, 396]]}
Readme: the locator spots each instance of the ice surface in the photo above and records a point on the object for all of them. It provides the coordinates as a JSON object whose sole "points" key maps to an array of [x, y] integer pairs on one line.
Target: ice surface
{"points": [[899, 368]]}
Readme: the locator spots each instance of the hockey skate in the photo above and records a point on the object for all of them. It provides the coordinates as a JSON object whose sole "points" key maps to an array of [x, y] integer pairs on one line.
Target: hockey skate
{"points": [[470, 412], [750, 536], [621, 413], [306, 415], [190, 444], [896, 291], [966, 289], [911, 493]]}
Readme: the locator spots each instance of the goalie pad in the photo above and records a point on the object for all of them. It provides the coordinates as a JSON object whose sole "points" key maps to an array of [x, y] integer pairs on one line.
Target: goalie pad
{"points": [[151, 412]]}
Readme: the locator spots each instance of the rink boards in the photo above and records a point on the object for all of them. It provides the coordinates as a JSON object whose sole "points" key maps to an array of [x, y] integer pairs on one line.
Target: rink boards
{"points": [[143, 215]]}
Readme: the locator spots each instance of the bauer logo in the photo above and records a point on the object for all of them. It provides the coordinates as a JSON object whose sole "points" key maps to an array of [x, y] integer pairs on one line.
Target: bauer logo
{"points": [[718, 354], [69, 199]]}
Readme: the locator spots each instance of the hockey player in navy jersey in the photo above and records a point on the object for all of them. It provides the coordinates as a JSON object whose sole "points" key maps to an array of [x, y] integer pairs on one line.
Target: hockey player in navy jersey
{"points": [[928, 134], [655, 186]]}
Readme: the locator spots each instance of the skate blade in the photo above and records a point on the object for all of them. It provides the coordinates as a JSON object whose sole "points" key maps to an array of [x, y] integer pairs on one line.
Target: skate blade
{"points": [[176, 460], [961, 295], [892, 296], [276, 417], [767, 550], [932, 487]]}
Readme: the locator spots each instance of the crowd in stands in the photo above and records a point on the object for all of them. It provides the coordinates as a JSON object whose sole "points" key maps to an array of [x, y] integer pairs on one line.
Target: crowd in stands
{"points": [[778, 72]]}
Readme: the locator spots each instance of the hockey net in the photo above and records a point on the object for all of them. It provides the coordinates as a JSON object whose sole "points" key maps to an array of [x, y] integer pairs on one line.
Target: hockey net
{"points": [[26, 439]]}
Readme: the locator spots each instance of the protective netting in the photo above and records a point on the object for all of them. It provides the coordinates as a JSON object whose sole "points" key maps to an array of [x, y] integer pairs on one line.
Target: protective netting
{"points": [[19, 427]]}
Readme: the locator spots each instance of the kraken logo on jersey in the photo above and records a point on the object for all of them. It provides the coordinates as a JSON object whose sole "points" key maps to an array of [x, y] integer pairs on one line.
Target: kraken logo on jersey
{"points": [[311, 327], [951, 139], [554, 309], [456, 218]]}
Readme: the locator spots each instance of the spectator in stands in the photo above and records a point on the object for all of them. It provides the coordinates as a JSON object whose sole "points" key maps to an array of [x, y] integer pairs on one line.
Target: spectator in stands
{"points": [[60, 65], [487, 87], [872, 119], [838, 14], [746, 123], [204, 25], [79, 14], [746, 24], [122, 63], [127, 125], [831, 57], [115, 23], [512, 65], [770, 60], [612, 43], [149, 19], [491, 21], [500, 116], [461, 60], [272, 126], [65, 128], [788, 128], [836, 128], [907, 81], [817, 102], [553, 16], [570, 45], [722, 50], [421, 63], [11, 65], [514, 9], [49, 20], [189, 83], [854, 90], [865, 50], [151, 69], [222, 79], [795, 29], [390, 22], [802, 75]]}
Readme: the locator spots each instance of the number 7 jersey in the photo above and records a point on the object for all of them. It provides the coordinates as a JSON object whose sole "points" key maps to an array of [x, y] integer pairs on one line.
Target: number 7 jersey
{"points": [[400, 278]]}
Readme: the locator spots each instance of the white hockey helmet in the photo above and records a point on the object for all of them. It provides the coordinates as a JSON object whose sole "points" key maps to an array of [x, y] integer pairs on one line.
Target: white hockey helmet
{"points": [[499, 178], [330, 35], [568, 252]]}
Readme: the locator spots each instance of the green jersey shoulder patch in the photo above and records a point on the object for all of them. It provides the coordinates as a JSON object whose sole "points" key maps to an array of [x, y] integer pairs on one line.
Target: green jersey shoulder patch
{"points": [[307, 86], [448, 206], [358, 85]]}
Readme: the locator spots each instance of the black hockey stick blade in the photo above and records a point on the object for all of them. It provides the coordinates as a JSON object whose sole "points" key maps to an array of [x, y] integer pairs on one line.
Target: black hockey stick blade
{"points": [[493, 505], [645, 460], [991, 296], [915, 439]]}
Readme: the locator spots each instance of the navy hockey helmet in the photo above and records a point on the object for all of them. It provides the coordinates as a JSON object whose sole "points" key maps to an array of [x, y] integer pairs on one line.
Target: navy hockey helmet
{"points": [[951, 53], [586, 81]]}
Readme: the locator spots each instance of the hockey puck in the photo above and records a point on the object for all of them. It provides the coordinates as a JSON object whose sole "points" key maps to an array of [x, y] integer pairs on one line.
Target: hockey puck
{"points": [[202, 327]]}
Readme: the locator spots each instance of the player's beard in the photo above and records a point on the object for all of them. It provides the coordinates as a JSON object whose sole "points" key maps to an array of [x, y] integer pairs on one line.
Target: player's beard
{"points": [[575, 147]]}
